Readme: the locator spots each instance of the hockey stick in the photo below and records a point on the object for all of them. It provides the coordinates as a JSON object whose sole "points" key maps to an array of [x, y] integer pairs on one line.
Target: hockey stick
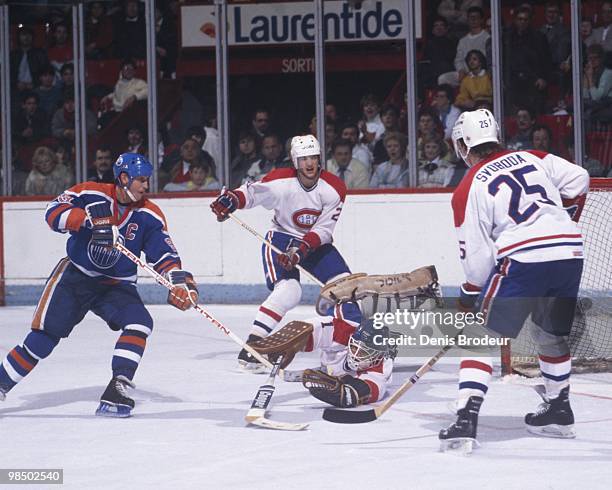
{"points": [[168, 285], [361, 416], [257, 413], [274, 248]]}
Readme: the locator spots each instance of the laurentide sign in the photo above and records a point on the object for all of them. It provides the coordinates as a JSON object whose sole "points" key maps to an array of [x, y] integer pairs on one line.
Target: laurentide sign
{"points": [[284, 23]]}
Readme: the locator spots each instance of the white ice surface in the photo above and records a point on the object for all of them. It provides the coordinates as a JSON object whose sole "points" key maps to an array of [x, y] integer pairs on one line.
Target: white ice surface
{"points": [[188, 429]]}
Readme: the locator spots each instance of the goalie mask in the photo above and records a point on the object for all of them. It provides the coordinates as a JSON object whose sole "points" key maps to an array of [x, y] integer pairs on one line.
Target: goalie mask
{"points": [[304, 146], [367, 347], [472, 129]]}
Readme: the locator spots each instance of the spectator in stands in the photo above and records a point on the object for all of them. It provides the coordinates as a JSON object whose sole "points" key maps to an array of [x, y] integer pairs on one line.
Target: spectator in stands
{"points": [[475, 39], [370, 126], [525, 122], [559, 42], [477, 86], [603, 35], [350, 131], [26, 62], [102, 170], [331, 112], [597, 87], [330, 134], [190, 152], [393, 172], [541, 138], [433, 170], [60, 51], [136, 141], [526, 63], [63, 122], [201, 178], [389, 116], [166, 42], [438, 54], [129, 32], [260, 123], [457, 13], [428, 125], [591, 165], [31, 124], [49, 93], [47, 177], [64, 154], [98, 32], [212, 141], [128, 90], [271, 158], [448, 113], [352, 172], [242, 162], [586, 29], [66, 78]]}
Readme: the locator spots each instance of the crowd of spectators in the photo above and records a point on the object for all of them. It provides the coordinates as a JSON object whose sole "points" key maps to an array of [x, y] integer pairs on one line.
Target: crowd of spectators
{"points": [[366, 147]]}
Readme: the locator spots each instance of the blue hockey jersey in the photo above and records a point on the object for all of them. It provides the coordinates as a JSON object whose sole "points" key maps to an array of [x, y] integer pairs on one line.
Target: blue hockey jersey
{"points": [[142, 227]]}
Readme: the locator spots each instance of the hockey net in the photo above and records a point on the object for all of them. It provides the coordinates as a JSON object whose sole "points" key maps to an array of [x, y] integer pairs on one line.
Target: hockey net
{"points": [[591, 337]]}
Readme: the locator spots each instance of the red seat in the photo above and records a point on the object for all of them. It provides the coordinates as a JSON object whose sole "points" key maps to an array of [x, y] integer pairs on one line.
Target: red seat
{"points": [[600, 147]]}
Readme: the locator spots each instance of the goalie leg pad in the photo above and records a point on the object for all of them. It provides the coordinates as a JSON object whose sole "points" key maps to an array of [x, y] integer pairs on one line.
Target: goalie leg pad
{"points": [[340, 391], [286, 341]]}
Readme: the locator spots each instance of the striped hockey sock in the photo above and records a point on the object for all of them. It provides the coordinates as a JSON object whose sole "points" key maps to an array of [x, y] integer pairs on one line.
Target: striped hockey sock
{"points": [[129, 349], [265, 321], [16, 365], [556, 373], [474, 376]]}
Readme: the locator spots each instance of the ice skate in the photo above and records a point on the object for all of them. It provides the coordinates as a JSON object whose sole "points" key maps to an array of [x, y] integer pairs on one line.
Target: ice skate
{"points": [[114, 401], [247, 362], [460, 436], [553, 418]]}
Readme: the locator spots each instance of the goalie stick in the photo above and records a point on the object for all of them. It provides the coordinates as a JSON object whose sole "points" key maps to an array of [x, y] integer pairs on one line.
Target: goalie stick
{"points": [[362, 416], [274, 248], [167, 284], [257, 413]]}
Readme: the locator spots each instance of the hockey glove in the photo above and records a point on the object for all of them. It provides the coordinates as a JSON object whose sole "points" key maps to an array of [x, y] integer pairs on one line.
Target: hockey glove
{"points": [[468, 297], [103, 230], [184, 292], [224, 205], [296, 252], [340, 391]]}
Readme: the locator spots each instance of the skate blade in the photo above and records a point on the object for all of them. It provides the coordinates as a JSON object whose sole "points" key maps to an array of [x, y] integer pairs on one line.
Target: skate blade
{"points": [[114, 411], [251, 367], [461, 445], [553, 430]]}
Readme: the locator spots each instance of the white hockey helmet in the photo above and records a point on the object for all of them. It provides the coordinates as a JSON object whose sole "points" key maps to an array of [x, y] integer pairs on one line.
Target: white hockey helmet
{"points": [[474, 128], [304, 146]]}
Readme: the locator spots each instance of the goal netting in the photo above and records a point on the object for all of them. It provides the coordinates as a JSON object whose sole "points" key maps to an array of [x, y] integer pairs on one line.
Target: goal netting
{"points": [[591, 337]]}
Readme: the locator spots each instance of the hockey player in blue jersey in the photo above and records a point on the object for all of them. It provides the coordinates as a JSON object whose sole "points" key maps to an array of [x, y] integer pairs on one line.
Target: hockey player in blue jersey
{"points": [[97, 277]]}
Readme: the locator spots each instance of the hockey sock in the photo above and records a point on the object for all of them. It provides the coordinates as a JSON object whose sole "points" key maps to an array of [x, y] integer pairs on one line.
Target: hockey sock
{"points": [[129, 349], [286, 295], [474, 376], [556, 373], [23, 358]]}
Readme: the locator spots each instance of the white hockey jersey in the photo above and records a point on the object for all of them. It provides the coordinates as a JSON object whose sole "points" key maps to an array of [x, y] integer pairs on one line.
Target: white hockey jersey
{"points": [[511, 204], [310, 215], [331, 335]]}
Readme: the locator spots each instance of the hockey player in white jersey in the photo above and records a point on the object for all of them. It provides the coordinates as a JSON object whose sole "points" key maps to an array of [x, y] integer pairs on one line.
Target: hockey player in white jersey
{"points": [[307, 202], [522, 255]]}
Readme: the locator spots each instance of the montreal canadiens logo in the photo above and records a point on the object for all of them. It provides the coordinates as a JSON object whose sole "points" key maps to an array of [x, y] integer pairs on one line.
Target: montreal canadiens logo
{"points": [[305, 218]]}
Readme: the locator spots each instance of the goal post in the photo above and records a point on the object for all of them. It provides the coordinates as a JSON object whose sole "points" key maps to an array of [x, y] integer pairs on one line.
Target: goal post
{"points": [[590, 340]]}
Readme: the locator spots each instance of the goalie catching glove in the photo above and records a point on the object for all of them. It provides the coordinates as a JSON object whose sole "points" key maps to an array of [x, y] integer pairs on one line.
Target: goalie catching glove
{"points": [[104, 233], [184, 293], [286, 341], [340, 391]]}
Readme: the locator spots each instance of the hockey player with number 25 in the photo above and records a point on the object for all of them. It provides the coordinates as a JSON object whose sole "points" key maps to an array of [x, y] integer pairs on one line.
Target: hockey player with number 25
{"points": [[96, 277], [307, 202], [522, 255]]}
